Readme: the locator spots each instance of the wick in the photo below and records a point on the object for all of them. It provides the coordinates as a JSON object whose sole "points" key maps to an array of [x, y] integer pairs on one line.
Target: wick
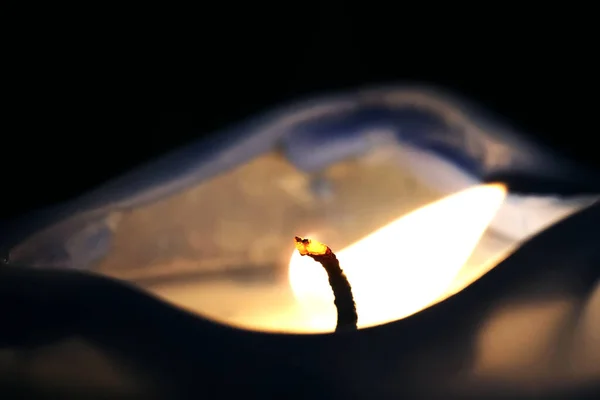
{"points": [[347, 317]]}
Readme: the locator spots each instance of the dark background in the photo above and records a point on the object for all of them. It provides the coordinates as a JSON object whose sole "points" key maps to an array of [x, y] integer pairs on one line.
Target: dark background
{"points": [[86, 105]]}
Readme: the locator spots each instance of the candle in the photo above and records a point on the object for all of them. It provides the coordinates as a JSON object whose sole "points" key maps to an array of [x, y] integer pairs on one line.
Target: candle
{"points": [[401, 246], [210, 229], [229, 257]]}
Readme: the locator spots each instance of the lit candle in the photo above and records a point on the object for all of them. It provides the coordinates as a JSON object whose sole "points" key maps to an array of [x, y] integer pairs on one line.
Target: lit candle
{"points": [[371, 185], [402, 246], [404, 266], [212, 208], [395, 271]]}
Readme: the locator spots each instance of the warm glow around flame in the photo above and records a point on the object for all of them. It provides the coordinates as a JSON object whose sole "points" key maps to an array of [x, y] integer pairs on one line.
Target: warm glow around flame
{"points": [[402, 267]]}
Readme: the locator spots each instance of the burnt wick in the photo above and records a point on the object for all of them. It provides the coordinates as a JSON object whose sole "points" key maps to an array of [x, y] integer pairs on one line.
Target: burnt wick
{"points": [[347, 317]]}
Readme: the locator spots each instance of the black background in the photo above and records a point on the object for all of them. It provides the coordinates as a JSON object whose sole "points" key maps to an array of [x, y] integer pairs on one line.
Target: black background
{"points": [[88, 104]]}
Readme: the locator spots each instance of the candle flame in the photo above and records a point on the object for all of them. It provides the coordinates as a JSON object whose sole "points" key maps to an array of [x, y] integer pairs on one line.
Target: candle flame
{"points": [[404, 266]]}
